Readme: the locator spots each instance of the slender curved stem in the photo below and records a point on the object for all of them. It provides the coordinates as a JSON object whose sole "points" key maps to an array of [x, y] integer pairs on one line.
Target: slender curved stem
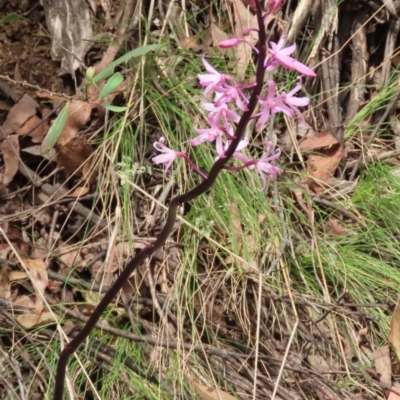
{"points": [[171, 217]]}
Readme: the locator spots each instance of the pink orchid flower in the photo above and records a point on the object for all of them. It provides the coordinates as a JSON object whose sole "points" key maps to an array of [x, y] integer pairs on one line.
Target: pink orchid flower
{"points": [[263, 165], [221, 148], [209, 134], [168, 157], [221, 111], [281, 56], [294, 102], [271, 104], [213, 80]]}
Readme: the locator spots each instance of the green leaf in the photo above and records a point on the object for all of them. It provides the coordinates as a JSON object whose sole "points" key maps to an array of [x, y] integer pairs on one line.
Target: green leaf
{"points": [[10, 18], [109, 70], [55, 130], [110, 107], [111, 85]]}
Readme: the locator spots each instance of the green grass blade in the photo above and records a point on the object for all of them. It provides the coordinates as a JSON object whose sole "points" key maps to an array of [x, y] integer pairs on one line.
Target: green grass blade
{"points": [[109, 70]]}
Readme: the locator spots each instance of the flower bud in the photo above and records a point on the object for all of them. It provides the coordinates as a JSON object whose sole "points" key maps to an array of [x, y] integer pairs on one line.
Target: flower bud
{"points": [[226, 44]]}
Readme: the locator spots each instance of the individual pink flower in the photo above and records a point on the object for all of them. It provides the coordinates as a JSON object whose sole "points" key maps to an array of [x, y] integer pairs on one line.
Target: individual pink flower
{"points": [[168, 157], [221, 148], [221, 111], [209, 134], [277, 55], [271, 104], [293, 102], [213, 79], [230, 93], [263, 165]]}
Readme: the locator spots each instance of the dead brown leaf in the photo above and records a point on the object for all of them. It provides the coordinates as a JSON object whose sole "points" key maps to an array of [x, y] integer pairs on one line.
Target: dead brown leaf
{"points": [[35, 127], [10, 151], [244, 19], [20, 113], [78, 116], [383, 365], [71, 258], [218, 35], [190, 43], [394, 394], [394, 332], [210, 393], [334, 228], [319, 364], [38, 275], [78, 192], [73, 155], [323, 165], [31, 320]]}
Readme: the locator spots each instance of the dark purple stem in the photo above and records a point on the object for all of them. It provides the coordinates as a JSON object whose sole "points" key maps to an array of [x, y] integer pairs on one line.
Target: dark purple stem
{"points": [[171, 217]]}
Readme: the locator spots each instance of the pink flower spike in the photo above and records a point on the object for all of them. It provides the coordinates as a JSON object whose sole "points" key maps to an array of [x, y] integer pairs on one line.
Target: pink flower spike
{"points": [[168, 157], [228, 43], [281, 56]]}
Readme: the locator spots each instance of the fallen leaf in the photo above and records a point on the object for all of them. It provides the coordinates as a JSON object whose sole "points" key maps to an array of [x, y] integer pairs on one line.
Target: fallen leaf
{"points": [[25, 301], [78, 115], [35, 128], [394, 394], [38, 275], [322, 165], [210, 393], [74, 154], [17, 275], [190, 43], [244, 19], [20, 113], [318, 363], [70, 259], [31, 320], [334, 228], [383, 365], [37, 151], [394, 331], [78, 192], [218, 35], [10, 152], [322, 140]]}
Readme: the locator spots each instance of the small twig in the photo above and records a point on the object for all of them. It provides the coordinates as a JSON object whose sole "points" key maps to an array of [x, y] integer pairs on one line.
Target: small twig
{"points": [[36, 87]]}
